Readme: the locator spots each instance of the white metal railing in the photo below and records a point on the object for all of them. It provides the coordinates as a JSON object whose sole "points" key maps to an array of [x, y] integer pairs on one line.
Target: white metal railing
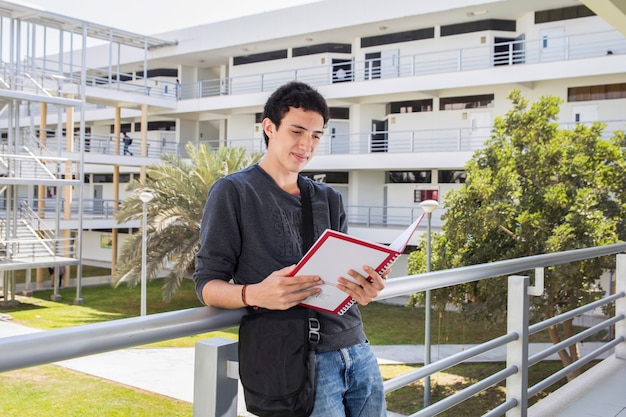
{"points": [[55, 345], [100, 144], [100, 208], [45, 76], [38, 228], [28, 237], [519, 52], [408, 141], [93, 208], [405, 141]]}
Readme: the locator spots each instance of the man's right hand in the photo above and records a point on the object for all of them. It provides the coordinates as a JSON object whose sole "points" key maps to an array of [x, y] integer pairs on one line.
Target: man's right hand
{"points": [[279, 291]]}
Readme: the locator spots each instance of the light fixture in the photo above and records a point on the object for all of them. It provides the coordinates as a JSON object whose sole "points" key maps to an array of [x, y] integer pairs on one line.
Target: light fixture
{"points": [[476, 13], [428, 206], [383, 27]]}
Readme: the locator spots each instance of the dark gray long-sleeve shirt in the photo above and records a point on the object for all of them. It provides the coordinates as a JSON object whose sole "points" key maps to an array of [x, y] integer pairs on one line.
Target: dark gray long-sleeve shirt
{"points": [[251, 227]]}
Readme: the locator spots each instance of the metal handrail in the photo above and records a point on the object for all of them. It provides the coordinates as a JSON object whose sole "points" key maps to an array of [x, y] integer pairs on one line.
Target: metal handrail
{"points": [[61, 344], [36, 349], [573, 366], [537, 327], [439, 279], [466, 393], [447, 362]]}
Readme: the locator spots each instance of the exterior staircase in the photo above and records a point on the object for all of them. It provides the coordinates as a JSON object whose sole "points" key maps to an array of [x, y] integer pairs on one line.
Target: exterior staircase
{"points": [[24, 242]]}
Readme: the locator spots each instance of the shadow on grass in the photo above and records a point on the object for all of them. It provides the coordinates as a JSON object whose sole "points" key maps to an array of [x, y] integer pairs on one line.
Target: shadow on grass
{"points": [[20, 306]]}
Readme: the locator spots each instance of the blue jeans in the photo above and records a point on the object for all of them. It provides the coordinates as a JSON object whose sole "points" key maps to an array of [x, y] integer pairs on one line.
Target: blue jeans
{"points": [[348, 384]]}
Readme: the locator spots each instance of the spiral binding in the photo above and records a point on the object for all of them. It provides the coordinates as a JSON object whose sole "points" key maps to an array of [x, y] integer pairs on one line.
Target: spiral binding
{"points": [[346, 307], [388, 264], [381, 271]]}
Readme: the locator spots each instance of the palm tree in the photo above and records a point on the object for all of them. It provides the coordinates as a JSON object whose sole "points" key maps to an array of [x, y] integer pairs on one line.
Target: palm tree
{"points": [[180, 188]]}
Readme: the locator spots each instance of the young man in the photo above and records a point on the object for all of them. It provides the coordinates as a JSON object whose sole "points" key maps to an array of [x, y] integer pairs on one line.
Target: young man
{"points": [[251, 240]]}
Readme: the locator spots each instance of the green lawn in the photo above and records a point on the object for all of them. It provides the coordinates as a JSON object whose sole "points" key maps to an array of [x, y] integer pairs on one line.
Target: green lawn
{"points": [[52, 391], [56, 392]]}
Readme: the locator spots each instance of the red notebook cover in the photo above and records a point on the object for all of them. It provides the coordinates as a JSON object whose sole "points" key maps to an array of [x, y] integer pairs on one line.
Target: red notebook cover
{"points": [[334, 253]]}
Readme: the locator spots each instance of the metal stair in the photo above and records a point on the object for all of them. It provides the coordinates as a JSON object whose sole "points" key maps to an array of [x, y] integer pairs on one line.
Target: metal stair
{"points": [[24, 242]]}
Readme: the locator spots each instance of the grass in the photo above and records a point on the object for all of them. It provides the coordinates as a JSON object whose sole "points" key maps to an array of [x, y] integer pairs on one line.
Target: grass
{"points": [[53, 391]]}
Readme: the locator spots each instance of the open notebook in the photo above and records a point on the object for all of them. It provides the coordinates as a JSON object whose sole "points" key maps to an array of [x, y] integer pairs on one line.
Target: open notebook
{"points": [[334, 253]]}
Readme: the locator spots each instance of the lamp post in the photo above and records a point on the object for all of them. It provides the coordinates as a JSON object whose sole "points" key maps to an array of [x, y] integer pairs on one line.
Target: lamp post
{"points": [[146, 197], [428, 206]]}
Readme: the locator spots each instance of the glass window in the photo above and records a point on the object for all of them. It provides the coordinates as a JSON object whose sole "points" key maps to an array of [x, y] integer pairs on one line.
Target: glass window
{"points": [[328, 177], [596, 92], [414, 106], [409, 177], [451, 176], [466, 102]]}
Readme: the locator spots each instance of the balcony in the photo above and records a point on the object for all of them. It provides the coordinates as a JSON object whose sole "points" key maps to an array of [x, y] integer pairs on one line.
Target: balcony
{"points": [[505, 54]]}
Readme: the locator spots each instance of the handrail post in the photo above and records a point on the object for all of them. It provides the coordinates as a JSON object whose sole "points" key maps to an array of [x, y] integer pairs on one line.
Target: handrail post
{"points": [[517, 351], [620, 305], [214, 392]]}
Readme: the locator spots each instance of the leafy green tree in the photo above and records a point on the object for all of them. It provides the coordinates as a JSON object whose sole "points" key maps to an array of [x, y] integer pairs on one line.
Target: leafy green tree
{"points": [[180, 188], [534, 189]]}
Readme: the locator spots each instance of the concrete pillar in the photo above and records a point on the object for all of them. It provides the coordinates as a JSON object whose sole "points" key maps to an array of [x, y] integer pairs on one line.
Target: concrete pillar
{"points": [[517, 351], [214, 391]]}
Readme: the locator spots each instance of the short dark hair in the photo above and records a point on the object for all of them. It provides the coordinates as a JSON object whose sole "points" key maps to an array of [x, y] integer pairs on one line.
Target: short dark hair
{"points": [[294, 94]]}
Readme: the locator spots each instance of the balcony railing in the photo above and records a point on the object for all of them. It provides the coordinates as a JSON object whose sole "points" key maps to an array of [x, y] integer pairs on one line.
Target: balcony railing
{"points": [[46, 208], [520, 52], [56, 345], [382, 142], [43, 76]]}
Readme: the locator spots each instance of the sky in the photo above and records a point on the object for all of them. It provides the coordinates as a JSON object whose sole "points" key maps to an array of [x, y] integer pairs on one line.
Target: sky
{"points": [[149, 17]]}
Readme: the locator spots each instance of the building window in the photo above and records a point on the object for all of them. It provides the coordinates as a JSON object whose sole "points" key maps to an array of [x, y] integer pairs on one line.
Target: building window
{"points": [[328, 177], [335, 48], [398, 37], [478, 26], [414, 106], [102, 178], [420, 194], [342, 70], [596, 92], [339, 113], [409, 177], [445, 176], [466, 102], [156, 125], [265, 56], [564, 13]]}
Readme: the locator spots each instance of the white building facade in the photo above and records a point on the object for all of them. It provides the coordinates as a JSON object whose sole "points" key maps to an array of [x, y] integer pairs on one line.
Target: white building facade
{"points": [[413, 87]]}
